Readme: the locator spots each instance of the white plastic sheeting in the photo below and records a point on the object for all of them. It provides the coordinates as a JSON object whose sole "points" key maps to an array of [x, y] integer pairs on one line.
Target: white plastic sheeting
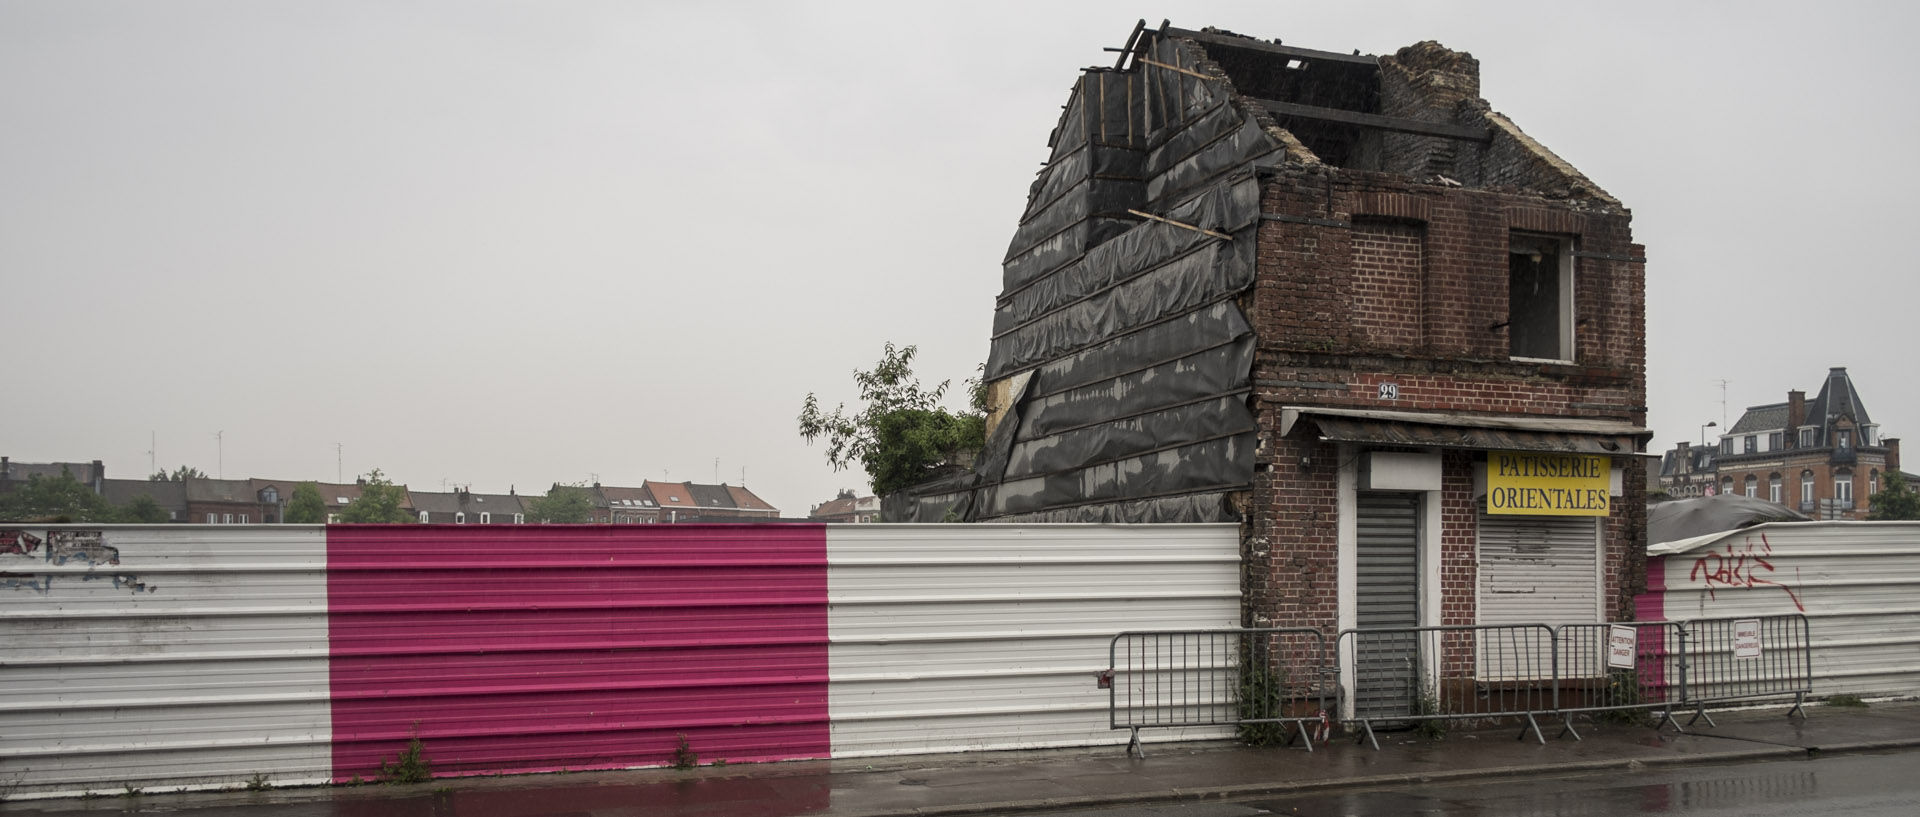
{"points": [[1857, 582], [966, 637], [192, 656]]}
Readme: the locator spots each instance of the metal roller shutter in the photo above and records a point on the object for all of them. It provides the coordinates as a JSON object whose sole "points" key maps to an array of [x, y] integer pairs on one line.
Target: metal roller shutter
{"points": [[1534, 570], [1539, 569], [1387, 596]]}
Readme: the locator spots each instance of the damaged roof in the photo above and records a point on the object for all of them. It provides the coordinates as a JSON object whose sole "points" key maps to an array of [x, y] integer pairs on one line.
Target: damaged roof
{"points": [[1416, 112]]}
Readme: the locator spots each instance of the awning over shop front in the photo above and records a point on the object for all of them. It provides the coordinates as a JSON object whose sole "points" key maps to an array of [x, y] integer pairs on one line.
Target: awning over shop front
{"points": [[1439, 430]]}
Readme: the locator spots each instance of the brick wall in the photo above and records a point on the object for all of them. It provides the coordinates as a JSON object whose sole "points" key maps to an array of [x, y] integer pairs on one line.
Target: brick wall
{"points": [[1459, 518], [254, 511], [1387, 283], [1790, 468], [1368, 278], [1290, 535]]}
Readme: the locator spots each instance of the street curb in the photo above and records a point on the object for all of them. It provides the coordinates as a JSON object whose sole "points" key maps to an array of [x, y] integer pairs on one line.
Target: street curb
{"points": [[1298, 787], [1866, 746]]}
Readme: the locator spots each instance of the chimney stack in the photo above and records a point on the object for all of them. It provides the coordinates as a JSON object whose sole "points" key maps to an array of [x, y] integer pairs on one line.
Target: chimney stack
{"points": [[1796, 416]]}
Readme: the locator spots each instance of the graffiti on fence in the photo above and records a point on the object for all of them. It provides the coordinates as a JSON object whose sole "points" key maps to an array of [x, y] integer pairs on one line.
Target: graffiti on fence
{"points": [[80, 545], [18, 541], [1745, 567]]}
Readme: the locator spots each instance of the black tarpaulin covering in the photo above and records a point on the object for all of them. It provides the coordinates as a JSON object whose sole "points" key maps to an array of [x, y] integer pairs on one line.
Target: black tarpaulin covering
{"points": [[1126, 354], [1215, 464], [1212, 506]]}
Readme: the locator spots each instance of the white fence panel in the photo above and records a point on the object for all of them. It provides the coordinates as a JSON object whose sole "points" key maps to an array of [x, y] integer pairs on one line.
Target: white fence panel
{"points": [[949, 638], [1857, 582], [178, 655]]}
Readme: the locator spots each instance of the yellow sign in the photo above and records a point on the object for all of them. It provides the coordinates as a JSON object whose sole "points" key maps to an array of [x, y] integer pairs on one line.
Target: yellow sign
{"points": [[1536, 483]]}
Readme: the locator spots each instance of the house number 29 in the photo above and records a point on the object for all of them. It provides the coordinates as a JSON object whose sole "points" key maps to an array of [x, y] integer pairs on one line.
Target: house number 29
{"points": [[1389, 391]]}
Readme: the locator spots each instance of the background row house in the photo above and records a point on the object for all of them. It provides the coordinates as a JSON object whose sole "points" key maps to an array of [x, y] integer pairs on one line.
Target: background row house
{"points": [[203, 500]]}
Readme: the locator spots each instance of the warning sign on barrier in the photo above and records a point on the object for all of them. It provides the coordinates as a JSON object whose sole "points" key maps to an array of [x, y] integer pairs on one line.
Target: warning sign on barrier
{"points": [[1746, 638], [1620, 647]]}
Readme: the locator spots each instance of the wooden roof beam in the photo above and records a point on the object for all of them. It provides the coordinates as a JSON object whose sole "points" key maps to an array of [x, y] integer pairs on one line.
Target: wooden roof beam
{"points": [[1444, 130]]}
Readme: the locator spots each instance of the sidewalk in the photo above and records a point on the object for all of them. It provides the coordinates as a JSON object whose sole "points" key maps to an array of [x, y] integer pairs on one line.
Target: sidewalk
{"points": [[999, 782]]}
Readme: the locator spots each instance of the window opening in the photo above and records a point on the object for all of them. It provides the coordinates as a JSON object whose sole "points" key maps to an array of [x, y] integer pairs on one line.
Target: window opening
{"points": [[1539, 298]]}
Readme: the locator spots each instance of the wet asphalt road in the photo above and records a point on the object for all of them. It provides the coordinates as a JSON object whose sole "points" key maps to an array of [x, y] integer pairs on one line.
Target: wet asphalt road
{"points": [[1855, 785], [1871, 785]]}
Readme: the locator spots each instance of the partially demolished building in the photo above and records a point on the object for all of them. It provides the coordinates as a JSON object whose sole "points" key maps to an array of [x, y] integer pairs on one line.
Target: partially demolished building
{"points": [[1336, 298]]}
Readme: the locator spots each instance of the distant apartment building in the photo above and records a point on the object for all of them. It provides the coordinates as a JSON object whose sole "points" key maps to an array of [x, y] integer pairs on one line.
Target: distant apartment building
{"points": [[847, 507], [1824, 457]]}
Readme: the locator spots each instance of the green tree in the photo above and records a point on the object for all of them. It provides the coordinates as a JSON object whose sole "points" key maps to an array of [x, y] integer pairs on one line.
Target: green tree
{"points": [[179, 475], [54, 499], [1895, 500], [141, 509], [903, 435], [379, 501], [563, 504], [305, 506]]}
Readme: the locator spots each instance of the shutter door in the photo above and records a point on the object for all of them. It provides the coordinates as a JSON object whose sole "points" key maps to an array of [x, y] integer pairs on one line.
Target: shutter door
{"points": [[1387, 596], [1539, 569], [1534, 570]]}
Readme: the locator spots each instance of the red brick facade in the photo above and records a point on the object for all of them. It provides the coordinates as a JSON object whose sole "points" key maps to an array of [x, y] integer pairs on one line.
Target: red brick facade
{"points": [[1367, 278]]}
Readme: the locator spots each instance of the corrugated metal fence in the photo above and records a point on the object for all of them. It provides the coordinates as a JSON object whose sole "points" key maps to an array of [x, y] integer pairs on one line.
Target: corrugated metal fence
{"points": [[960, 637], [1858, 583], [200, 656], [148, 656]]}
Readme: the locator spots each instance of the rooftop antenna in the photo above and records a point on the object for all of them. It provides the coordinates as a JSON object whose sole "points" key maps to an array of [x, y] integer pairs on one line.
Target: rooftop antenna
{"points": [[743, 476], [153, 462], [220, 465], [1723, 399], [339, 473], [716, 469]]}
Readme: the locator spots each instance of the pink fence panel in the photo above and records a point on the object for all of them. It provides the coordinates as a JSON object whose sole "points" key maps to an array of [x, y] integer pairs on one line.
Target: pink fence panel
{"points": [[545, 647]]}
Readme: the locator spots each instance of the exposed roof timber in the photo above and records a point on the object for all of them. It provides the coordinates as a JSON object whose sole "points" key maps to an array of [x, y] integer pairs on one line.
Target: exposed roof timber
{"points": [[1272, 48], [1374, 120], [1133, 40]]}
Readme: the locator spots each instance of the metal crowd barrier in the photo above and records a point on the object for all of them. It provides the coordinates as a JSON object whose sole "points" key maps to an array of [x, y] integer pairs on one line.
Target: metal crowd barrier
{"points": [[1244, 678], [1284, 676], [1730, 659], [1416, 674], [1593, 680]]}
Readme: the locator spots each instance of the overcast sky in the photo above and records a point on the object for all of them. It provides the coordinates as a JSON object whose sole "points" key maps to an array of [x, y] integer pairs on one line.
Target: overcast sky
{"points": [[515, 243]]}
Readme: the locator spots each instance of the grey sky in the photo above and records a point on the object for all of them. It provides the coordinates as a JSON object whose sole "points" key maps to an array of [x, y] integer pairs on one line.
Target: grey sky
{"points": [[517, 243]]}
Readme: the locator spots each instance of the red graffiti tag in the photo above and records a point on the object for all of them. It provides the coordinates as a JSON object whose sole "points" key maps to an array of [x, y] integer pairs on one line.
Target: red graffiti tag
{"points": [[1745, 567]]}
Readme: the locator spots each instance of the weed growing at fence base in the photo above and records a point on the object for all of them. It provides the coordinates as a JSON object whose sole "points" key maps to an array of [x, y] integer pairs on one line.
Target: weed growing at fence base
{"points": [[1847, 701], [1263, 694], [1429, 704], [411, 766], [1623, 689], [258, 782], [683, 756]]}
